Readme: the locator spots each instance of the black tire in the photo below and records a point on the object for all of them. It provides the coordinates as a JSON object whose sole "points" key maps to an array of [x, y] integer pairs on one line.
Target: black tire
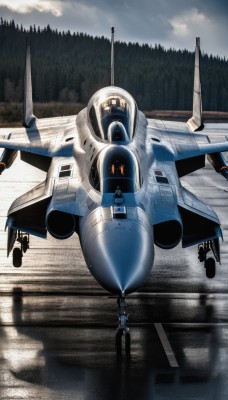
{"points": [[210, 266], [118, 343], [128, 344], [17, 257]]}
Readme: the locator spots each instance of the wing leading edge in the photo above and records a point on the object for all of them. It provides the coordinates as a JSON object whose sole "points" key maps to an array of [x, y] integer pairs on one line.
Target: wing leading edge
{"points": [[49, 137]]}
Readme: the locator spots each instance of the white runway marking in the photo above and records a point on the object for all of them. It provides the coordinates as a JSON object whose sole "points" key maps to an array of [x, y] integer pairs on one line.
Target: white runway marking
{"points": [[166, 346]]}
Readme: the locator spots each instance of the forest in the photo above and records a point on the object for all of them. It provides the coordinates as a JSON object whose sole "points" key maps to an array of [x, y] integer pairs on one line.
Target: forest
{"points": [[69, 67]]}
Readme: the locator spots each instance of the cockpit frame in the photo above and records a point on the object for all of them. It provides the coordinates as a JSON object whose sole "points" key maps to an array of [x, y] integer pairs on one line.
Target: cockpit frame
{"points": [[112, 105], [115, 168]]}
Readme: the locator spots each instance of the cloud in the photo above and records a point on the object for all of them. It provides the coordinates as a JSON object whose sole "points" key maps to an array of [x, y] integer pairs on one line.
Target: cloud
{"points": [[55, 7], [183, 24], [186, 25], [173, 24]]}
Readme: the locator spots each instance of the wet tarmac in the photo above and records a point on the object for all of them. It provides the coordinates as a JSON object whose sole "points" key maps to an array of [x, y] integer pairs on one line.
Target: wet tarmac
{"points": [[57, 325]]}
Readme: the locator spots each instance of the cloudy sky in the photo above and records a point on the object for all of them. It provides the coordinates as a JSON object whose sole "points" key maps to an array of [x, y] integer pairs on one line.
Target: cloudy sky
{"points": [[172, 23]]}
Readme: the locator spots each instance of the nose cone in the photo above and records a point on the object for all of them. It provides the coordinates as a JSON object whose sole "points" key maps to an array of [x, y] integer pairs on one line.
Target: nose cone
{"points": [[120, 259]]}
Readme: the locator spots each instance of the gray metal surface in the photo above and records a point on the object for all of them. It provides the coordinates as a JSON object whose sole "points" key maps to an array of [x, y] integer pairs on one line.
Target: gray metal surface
{"points": [[87, 165]]}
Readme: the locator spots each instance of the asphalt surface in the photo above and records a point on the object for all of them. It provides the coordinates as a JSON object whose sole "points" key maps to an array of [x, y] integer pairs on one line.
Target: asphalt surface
{"points": [[57, 325]]}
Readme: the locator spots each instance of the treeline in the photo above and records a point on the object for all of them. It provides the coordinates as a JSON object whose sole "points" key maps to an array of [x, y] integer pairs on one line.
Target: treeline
{"points": [[70, 67], [11, 112]]}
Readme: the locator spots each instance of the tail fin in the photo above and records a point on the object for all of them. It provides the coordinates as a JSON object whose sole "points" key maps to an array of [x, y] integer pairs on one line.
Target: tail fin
{"points": [[9, 155], [112, 56], [28, 117], [196, 122]]}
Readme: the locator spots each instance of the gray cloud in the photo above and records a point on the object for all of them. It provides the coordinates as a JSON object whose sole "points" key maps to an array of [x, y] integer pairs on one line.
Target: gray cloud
{"points": [[171, 23]]}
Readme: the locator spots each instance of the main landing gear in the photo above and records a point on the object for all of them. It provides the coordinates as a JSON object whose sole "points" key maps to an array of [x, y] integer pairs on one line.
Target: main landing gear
{"points": [[123, 338], [23, 240], [208, 253]]}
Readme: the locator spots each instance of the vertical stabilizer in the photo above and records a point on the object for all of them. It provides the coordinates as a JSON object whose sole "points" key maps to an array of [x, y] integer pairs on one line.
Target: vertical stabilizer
{"points": [[196, 123], [112, 56], [28, 117]]}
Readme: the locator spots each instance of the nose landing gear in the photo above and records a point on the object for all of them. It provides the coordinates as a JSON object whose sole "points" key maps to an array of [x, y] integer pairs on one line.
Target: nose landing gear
{"points": [[122, 334]]}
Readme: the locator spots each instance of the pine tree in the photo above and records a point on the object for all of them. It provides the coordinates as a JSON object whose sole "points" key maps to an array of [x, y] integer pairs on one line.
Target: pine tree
{"points": [[72, 66]]}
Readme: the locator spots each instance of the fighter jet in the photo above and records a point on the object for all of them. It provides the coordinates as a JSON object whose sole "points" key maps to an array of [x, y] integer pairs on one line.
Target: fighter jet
{"points": [[113, 178]]}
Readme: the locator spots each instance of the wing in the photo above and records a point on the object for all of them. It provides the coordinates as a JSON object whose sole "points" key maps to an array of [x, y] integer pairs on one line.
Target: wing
{"points": [[193, 139], [183, 143], [47, 137]]}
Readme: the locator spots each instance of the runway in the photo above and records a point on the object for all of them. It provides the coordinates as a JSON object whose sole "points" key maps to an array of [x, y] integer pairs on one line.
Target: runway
{"points": [[57, 325]]}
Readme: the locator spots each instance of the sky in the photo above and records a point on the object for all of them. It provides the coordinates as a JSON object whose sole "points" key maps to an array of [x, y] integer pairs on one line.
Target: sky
{"points": [[171, 23]]}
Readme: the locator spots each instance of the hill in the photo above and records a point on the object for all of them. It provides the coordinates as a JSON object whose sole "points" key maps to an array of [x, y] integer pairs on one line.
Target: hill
{"points": [[70, 67]]}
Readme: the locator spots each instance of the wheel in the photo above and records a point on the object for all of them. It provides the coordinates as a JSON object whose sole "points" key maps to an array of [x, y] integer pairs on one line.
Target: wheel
{"points": [[210, 268], [127, 344], [17, 257], [118, 343]]}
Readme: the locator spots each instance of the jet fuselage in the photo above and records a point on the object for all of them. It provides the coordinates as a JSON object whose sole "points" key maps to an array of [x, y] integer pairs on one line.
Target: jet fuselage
{"points": [[116, 226]]}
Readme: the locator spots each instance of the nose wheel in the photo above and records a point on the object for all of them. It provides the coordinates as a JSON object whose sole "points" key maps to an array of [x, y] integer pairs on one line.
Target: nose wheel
{"points": [[123, 338]]}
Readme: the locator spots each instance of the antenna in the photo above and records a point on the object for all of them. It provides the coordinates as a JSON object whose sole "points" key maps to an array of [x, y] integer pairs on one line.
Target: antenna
{"points": [[112, 56]]}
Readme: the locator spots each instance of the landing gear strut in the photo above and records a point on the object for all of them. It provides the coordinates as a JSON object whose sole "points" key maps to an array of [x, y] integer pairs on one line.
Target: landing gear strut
{"points": [[205, 252], [122, 334], [23, 240]]}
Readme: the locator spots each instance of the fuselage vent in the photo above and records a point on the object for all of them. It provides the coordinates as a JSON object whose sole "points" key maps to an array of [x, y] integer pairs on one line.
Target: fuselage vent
{"points": [[65, 170]]}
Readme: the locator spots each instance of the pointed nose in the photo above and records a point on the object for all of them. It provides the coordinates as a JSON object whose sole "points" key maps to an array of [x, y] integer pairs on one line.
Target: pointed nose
{"points": [[121, 259]]}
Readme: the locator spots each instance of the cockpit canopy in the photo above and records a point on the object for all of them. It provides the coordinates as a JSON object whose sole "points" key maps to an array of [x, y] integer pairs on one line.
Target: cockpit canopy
{"points": [[112, 114], [115, 167]]}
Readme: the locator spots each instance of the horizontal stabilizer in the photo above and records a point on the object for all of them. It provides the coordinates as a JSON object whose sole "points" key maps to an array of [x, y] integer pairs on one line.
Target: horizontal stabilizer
{"points": [[200, 222], [195, 122], [33, 196], [28, 117], [28, 213]]}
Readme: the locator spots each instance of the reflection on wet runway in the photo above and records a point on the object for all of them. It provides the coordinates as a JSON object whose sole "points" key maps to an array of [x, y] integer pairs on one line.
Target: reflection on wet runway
{"points": [[57, 325]]}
